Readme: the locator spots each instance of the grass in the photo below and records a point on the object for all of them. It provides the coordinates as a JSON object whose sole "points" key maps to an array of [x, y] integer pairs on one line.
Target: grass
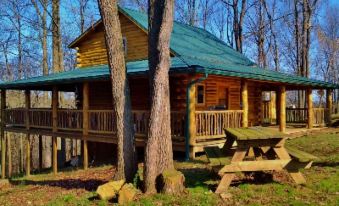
{"points": [[322, 187]]}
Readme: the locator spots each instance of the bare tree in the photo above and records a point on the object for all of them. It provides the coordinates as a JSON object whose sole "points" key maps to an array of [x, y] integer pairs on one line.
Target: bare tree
{"points": [[126, 166], [239, 11]]}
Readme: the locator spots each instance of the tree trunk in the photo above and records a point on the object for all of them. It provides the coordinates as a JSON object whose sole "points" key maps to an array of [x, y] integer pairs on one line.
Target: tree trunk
{"points": [[58, 65], [45, 142], [158, 151], [126, 165], [238, 20]]}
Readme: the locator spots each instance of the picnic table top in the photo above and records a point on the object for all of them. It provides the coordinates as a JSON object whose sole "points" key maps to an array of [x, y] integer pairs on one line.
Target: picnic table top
{"points": [[253, 133]]}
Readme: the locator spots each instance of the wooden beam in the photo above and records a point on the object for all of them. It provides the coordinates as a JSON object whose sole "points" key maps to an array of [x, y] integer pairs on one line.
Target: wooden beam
{"points": [[277, 107], [252, 166], [224, 184], [282, 109], [244, 100], [85, 108], [329, 105], [192, 123], [55, 100], [28, 145], [9, 155], [310, 115], [2, 134]]}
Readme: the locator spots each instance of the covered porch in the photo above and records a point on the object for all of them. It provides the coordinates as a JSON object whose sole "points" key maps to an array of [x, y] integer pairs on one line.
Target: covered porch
{"points": [[202, 107]]}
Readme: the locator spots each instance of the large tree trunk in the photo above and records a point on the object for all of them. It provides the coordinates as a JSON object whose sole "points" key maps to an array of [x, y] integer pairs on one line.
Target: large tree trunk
{"points": [[158, 152], [45, 142], [58, 62], [126, 165]]}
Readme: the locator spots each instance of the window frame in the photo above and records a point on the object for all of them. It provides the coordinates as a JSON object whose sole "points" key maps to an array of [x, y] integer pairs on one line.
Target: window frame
{"points": [[197, 93]]}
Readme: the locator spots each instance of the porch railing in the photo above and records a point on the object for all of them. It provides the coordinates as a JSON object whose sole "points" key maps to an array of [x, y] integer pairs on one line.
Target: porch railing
{"points": [[40, 118], [70, 119], [300, 115], [15, 117], [211, 124]]}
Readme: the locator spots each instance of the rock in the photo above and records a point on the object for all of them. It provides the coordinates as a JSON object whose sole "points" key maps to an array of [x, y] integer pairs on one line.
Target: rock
{"points": [[4, 182], [172, 182], [110, 190], [127, 194]]}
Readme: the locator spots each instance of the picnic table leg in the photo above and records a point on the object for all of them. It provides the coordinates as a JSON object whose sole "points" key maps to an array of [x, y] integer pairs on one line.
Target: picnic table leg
{"points": [[297, 177], [228, 145], [225, 182], [227, 178]]}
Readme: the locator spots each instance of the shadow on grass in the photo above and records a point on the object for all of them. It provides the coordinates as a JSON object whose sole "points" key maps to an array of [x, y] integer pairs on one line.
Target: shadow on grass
{"points": [[89, 184], [200, 177], [326, 164]]}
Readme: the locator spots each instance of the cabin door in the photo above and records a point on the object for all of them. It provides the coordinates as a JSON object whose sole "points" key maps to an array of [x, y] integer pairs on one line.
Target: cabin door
{"points": [[223, 100]]}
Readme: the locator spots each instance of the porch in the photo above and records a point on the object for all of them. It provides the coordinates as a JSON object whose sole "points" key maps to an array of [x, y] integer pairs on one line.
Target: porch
{"points": [[200, 112]]}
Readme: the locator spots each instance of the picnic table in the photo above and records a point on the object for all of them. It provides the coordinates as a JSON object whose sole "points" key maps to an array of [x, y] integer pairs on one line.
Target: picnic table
{"points": [[257, 149]]}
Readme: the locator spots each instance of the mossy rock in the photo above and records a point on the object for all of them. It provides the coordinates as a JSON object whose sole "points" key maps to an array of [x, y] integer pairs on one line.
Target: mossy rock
{"points": [[110, 190], [171, 182], [127, 194], [4, 182]]}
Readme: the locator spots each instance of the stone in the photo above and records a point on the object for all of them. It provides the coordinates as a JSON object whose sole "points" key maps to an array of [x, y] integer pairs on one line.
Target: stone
{"points": [[127, 194], [110, 190], [4, 182], [172, 182]]}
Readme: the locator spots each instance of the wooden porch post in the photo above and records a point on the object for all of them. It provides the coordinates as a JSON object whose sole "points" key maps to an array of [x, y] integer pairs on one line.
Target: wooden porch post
{"points": [[309, 108], [282, 109], [329, 105], [277, 106], [244, 98], [85, 107], [2, 134], [55, 100], [28, 144]]}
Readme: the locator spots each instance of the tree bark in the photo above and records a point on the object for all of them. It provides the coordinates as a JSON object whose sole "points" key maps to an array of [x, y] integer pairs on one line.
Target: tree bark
{"points": [[158, 151], [238, 20], [58, 65], [126, 165], [45, 142]]}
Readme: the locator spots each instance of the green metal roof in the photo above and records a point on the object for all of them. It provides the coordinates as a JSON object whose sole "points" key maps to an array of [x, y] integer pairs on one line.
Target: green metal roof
{"points": [[87, 74], [193, 47]]}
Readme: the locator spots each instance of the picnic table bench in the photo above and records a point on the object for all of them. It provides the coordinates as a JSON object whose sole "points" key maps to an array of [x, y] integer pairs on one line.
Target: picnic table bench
{"points": [[257, 149]]}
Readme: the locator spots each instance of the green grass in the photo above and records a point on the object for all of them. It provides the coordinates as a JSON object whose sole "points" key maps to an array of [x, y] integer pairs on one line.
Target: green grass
{"points": [[322, 187]]}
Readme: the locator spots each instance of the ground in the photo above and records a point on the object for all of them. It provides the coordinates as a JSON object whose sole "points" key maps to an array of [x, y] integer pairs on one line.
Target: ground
{"points": [[77, 187]]}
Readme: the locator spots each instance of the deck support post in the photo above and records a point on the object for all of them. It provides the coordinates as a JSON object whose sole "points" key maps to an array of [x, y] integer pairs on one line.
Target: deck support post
{"points": [[55, 101], [309, 108], [244, 100], [191, 120], [85, 107], [329, 105], [28, 145], [2, 134], [282, 109]]}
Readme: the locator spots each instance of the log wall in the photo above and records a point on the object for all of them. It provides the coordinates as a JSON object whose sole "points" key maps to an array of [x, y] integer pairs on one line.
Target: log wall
{"points": [[92, 49], [215, 87]]}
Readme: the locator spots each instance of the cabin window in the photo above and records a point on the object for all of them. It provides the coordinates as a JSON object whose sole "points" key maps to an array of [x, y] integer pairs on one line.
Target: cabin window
{"points": [[124, 42], [200, 94]]}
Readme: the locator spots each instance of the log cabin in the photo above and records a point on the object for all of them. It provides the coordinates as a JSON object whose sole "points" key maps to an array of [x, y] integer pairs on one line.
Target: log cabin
{"points": [[212, 87]]}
